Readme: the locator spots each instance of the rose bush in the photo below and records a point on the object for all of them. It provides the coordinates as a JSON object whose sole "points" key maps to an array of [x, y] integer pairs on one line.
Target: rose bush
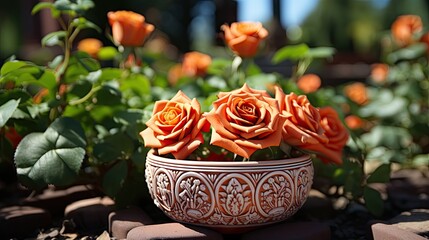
{"points": [[82, 112]]}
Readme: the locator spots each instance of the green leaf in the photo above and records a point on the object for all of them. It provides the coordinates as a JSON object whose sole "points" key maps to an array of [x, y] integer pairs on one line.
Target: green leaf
{"points": [[353, 177], [7, 110], [82, 23], [64, 5], [373, 201], [384, 104], [139, 157], [380, 175], [11, 66], [56, 61], [87, 62], [36, 110], [388, 136], [113, 147], [41, 6], [261, 81], [114, 179], [109, 74], [47, 80], [291, 52], [85, 4], [107, 53], [138, 83], [421, 160], [109, 96], [132, 119], [321, 52], [408, 53], [54, 38], [52, 157], [219, 66]]}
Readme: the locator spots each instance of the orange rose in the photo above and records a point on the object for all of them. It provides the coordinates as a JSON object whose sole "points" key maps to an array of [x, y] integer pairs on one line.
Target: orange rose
{"points": [[379, 72], [243, 38], [337, 134], [353, 122], [175, 126], [90, 45], [174, 74], [195, 64], [404, 27], [245, 120], [357, 93], [425, 39], [302, 127], [309, 83], [129, 28]]}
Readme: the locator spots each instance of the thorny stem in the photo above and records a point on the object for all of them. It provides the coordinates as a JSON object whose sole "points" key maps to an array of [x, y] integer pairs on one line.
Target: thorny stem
{"points": [[71, 34]]}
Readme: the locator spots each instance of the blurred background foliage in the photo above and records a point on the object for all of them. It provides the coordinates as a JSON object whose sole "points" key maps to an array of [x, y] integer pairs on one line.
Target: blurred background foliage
{"points": [[352, 26]]}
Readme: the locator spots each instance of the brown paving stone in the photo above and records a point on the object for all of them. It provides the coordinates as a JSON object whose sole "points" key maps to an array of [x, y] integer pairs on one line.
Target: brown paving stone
{"points": [[415, 221], [55, 201], [291, 231], [409, 189], [382, 231], [123, 220], [21, 221], [90, 214], [172, 231]]}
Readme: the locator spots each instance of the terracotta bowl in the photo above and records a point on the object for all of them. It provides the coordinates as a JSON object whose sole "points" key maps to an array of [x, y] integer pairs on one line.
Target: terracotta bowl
{"points": [[229, 196]]}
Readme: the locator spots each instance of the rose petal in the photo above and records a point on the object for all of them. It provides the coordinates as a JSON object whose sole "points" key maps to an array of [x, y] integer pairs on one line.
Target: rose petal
{"points": [[230, 145]]}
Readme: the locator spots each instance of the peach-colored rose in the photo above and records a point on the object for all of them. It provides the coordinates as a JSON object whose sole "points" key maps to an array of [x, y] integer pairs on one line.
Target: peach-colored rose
{"points": [[353, 122], [90, 45], [309, 83], [245, 120], [357, 93], [337, 134], [302, 127], [175, 126], [174, 74], [425, 39], [379, 72], [129, 28], [243, 38], [195, 64], [404, 28]]}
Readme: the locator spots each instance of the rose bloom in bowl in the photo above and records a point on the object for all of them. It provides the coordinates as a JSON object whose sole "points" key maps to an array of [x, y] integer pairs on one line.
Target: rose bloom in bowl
{"points": [[255, 170], [245, 124]]}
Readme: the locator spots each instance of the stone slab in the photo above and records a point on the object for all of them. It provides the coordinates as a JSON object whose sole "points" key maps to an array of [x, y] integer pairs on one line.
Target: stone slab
{"points": [[291, 231], [22, 221], [382, 231], [172, 231], [123, 220]]}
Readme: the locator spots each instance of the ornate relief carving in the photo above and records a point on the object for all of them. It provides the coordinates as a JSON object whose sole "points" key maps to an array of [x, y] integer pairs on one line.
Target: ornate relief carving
{"points": [[238, 197]]}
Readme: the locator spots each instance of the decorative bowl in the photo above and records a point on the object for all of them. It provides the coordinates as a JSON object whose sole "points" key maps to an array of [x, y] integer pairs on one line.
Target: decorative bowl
{"points": [[229, 196]]}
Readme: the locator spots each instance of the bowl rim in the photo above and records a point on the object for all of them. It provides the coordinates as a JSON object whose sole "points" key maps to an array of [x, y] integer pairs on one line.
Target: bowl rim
{"points": [[195, 163]]}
